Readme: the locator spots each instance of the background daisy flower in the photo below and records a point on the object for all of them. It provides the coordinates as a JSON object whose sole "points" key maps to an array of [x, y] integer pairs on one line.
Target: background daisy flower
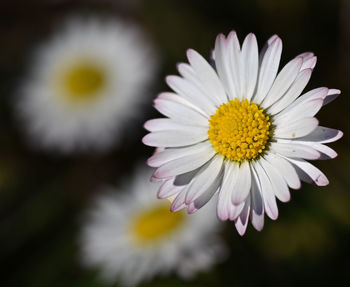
{"points": [[83, 83], [240, 129], [133, 236]]}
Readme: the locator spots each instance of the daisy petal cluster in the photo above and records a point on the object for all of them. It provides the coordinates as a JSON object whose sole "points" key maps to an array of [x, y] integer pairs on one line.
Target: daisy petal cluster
{"points": [[83, 83], [133, 237], [240, 128]]}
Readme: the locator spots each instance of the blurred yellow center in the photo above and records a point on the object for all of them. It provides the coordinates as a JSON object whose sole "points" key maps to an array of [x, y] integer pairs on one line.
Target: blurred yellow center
{"points": [[154, 223], [83, 81], [239, 130]]}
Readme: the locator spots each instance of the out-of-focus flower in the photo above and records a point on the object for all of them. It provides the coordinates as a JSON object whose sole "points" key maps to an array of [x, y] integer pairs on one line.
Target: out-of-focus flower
{"points": [[240, 129], [85, 85], [133, 236]]}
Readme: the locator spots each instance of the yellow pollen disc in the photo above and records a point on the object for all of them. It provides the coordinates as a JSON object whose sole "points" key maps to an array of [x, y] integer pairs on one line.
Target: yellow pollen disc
{"points": [[239, 130], [82, 81], [155, 223]]}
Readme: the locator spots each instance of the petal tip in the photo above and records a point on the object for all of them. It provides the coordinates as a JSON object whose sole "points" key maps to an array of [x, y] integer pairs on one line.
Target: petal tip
{"points": [[190, 53], [241, 230], [340, 134], [251, 35], [237, 200], [322, 181], [222, 216], [150, 162], [146, 125], [144, 140], [169, 79], [298, 186], [275, 40], [232, 33]]}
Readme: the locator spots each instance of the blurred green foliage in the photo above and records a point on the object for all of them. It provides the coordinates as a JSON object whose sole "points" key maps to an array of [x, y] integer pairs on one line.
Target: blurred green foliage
{"points": [[43, 195]]}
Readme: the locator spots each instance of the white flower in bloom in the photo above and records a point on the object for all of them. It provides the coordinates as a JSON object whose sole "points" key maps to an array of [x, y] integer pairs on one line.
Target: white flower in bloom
{"points": [[85, 84], [133, 236], [240, 129]]}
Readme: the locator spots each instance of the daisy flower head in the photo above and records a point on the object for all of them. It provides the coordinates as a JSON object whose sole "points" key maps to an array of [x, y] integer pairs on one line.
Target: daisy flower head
{"points": [[241, 129], [83, 83], [133, 237]]}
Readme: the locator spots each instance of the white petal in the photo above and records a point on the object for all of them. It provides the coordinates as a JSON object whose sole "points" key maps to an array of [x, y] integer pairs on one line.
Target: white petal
{"points": [[180, 113], [326, 152], [191, 93], [164, 124], [283, 81], [191, 208], [294, 91], [295, 112], [176, 138], [313, 172], [156, 124], [257, 205], [295, 150], [179, 202], [224, 200], [258, 220], [309, 60], [208, 194], [184, 164], [154, 179], [204, 179], [234, 54], [187, 72], [309, 63], [280, 186], [296, 129], [222, 63], [268, 69], [169, 96], [256, 196], [331, 96], [242, 185], [235, 210], [322, 135], [185, 178], [225, 208], [306, 55], [264, 49], [319, 93], [167, 155], [168, 189], [207, 76], [267, 192], [241, 222], [286, 169], [250, 65]]}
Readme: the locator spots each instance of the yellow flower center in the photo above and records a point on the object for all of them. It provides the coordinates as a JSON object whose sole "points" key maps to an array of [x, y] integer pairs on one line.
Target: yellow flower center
{"points": [[239, 130], [155, 223], [82, 81]]}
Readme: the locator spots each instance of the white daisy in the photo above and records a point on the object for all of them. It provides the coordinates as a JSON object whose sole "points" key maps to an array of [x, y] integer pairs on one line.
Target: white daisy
{"points": [[240, 129], [133, 236], [83, 84]]}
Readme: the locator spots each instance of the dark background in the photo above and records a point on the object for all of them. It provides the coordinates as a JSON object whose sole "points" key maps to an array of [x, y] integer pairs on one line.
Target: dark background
{"points": [[42, 195]]}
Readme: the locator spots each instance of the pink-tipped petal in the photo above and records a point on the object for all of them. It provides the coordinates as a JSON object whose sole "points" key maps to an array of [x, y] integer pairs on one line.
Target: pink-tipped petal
{"points": [[331, 96], [313, 172], [268, 70]]}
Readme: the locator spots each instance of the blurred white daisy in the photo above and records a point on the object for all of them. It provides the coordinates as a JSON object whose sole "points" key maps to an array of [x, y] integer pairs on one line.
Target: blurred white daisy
{"points": [[133, 237], [83, 84], [240, 129]]}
